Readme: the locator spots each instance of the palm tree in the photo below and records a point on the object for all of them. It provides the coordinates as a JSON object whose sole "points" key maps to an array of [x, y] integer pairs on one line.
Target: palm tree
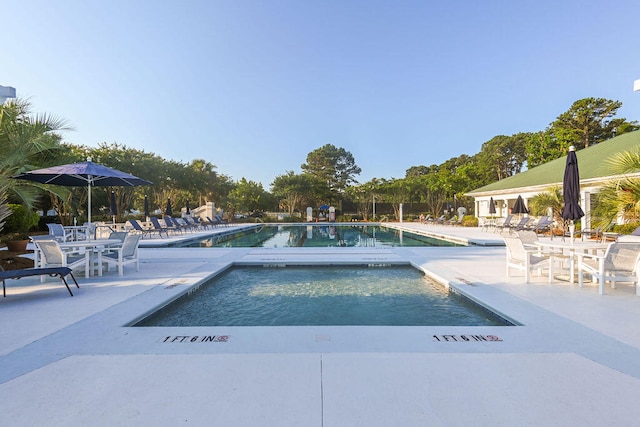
{"points": [[620, 197], [552, 198], [26, 142]]}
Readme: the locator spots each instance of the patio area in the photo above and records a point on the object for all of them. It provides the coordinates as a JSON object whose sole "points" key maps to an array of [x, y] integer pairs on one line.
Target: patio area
{"points": [[575, 359]]}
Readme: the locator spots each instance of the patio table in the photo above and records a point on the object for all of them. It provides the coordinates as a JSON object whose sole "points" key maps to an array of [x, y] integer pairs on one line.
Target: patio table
{"points": [[91, 248], [572, 247]]}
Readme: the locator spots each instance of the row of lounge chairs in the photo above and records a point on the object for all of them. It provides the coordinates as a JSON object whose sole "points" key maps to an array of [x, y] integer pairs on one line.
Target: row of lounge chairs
{"points": [[443, 220], [539, 225], [176, 225]]}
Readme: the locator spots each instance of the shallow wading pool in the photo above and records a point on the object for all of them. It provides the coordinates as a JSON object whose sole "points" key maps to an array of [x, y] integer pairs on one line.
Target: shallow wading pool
{"points": [[322, 295]]}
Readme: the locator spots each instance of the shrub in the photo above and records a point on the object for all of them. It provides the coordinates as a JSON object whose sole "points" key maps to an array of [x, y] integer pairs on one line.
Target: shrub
{"points": [[625, 228], [469, 221], [19, 222]]}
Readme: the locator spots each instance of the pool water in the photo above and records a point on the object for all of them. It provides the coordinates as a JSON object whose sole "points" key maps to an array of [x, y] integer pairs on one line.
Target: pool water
{"points": [[306, 296], [282, 236]]}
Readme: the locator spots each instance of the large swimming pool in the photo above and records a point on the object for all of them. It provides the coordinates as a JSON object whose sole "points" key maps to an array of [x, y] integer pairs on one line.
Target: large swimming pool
{"points": [[322, 295], [281, 236]]}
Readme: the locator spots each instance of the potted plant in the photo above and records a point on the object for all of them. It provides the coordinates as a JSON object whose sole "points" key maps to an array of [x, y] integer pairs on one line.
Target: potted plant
{"points": [[15, 232]]}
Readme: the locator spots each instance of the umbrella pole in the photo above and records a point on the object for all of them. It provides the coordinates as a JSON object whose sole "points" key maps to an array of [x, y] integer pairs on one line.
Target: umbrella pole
{"points": [[89, 202]]}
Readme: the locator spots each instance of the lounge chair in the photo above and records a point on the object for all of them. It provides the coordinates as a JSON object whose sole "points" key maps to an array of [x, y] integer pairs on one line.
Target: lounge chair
{"points": [[440, 220], [455, 221], [542, 225], [188, 226], [505, 224], [618, 264], [220, 219], [158, 227], [521, 224], [61, 272], [172, 224], [216, 221], [143, 231], [125, 254], [204, 223], [527, 260], [195, 225]]}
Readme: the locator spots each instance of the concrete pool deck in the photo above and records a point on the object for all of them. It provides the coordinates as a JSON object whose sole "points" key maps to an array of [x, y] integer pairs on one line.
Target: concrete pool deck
{"points": [[72, 361]]}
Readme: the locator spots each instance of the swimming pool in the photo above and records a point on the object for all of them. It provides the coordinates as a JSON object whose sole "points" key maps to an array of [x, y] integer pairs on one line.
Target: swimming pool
{"points": [[322, 295], [281, 236]]}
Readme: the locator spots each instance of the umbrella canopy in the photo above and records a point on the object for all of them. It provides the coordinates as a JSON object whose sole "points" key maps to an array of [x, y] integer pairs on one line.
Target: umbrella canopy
{"points": [[519, 207], [323, 207], [146, 206], [571, 188], [81, 174], [113, 207], [168, 211], [492, 206]]}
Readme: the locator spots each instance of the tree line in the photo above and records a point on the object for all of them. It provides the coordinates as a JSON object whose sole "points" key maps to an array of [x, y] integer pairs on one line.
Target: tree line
{"points": [[328, 176]]}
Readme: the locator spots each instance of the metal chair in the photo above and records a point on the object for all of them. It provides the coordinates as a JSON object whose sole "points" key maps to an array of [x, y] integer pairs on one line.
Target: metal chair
{"points": [[527, 260], [53, 256], [618, 264], [58, 232], [125, 254]]}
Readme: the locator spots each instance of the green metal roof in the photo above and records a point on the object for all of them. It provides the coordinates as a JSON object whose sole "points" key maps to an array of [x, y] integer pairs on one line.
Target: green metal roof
{"points": [[591, 162]]}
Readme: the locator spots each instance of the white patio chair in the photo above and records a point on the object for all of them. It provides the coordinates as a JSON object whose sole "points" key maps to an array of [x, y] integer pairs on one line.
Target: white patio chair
{"points": [[618, 264], [58, 232], [51, 255], [527, 260], [125, 254]]}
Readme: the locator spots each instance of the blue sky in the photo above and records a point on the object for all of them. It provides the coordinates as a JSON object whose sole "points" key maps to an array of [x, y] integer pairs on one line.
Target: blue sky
{"points": [[254, 86]]}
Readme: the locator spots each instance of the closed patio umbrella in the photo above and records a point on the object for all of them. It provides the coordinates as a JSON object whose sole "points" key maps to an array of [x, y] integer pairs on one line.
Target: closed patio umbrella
{"points": [[113, 207], [169, 211], [146, 207], [188, 211], [571, 190], [492, 207], [519, 207], [81, 174]]}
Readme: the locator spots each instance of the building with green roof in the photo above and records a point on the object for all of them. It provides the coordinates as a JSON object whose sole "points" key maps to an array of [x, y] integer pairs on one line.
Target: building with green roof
{"points": [[594, 172]]}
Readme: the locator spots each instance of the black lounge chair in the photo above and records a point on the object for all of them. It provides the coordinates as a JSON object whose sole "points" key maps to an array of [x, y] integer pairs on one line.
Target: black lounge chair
{"points": [[61, 272], [144, 231], [159, 228], [216, 221], [220, 219], [542, 226], [196, 224], [505, 224]]}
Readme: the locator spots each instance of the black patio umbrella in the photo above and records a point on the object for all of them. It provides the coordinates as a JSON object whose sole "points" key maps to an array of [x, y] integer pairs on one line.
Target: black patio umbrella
{"points": [[113, 207], [168, 211], [81, 174], [146, 207], [571, 188], [492, 206], [188, 210], [519, 207]]}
